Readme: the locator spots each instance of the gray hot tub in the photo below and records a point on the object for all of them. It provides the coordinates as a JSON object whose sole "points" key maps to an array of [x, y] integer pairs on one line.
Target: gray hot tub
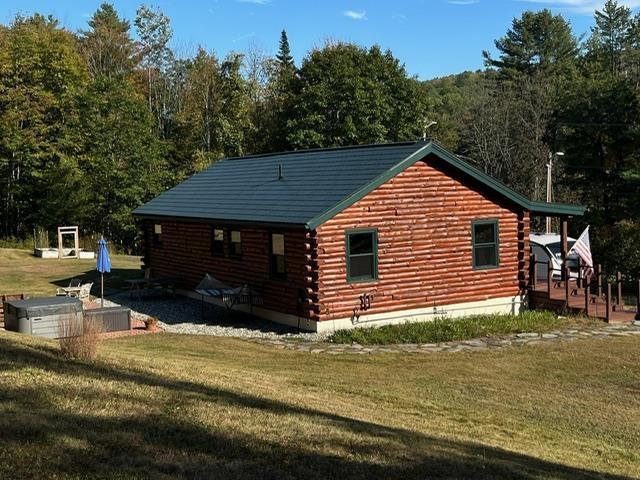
{"points": [[42, 316]]}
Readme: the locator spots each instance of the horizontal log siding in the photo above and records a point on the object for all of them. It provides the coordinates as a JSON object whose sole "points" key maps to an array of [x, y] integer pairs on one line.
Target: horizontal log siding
{"points": [[423, 217], [186, 254]]}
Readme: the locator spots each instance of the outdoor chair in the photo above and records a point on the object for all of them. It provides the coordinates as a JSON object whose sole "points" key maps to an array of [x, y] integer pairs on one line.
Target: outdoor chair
{"points": [[74, 286], [85, 290]]}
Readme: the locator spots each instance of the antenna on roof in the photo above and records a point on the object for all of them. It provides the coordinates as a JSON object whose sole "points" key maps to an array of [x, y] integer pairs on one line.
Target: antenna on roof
{"points": [[280, 177], [426, 127]]}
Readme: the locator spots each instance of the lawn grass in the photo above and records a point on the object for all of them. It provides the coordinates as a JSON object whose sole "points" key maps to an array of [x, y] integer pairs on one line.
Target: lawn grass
{"points": [[21, 272], [171, 406], [445, 330]]}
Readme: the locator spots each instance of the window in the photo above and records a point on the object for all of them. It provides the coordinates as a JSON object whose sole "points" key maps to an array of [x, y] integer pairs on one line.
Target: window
{"points": [[278, 262], [217, 241], [362, 255], [485, 244], [157, 234], [235, 247]]}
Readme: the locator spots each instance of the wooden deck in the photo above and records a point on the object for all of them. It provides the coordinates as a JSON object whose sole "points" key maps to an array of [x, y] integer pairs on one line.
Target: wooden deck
{"points": [[578, 302]]}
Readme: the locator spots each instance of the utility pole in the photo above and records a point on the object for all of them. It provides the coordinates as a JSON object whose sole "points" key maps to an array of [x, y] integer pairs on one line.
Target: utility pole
{"points": [[550, 184]]}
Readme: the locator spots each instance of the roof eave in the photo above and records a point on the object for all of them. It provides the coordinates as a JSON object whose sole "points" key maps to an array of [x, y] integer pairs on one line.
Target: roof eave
{"points": [[558, 209], [219, 221]]}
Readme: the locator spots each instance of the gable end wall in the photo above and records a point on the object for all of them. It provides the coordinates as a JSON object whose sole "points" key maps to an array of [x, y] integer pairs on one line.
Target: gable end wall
{"points": [[423, 217]]}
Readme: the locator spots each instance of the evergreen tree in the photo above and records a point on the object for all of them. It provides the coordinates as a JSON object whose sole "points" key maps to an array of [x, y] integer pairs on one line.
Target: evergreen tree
{"points": [[537, 42], [284, 58], [610, 37], [106, 45]]}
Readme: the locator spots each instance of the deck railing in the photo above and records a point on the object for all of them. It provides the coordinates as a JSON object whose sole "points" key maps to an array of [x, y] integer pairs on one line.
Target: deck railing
{"points": [[588, 282]]}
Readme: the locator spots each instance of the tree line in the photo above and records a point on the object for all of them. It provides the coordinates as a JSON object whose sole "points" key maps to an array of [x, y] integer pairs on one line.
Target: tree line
{"points": [[94, 122]]}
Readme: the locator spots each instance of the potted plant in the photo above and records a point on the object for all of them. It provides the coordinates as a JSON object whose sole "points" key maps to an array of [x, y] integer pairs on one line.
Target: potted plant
{"points": [[151, 323]]}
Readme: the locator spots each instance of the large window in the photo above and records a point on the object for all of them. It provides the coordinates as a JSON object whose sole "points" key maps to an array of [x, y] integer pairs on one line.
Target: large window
{"points": [[235, 245], [362, 255], [485, 244], [278, 260], [217, 241]]}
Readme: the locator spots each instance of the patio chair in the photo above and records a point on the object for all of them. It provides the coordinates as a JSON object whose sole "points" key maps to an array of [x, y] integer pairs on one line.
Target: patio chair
{"points": [[85, 290], [73, 287]]}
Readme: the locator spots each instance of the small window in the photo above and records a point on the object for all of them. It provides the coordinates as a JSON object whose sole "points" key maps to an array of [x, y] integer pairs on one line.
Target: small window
{"points": [[217, 241], [485, 244], [278, 261], [157, 234], [235, 247], [362, 255]]}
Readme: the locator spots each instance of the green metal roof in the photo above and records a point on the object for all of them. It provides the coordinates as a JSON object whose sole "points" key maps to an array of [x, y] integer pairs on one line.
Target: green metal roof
{"points": [[315, 185]]}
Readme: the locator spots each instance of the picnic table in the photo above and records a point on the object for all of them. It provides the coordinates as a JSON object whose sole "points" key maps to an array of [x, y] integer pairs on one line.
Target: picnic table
{"points": [[230, 296], [137, 286]]}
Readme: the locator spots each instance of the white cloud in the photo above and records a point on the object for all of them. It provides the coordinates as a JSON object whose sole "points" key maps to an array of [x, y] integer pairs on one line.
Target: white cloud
{"points": [[398, 16], [255, 2], [355, 14], [582, 6]]}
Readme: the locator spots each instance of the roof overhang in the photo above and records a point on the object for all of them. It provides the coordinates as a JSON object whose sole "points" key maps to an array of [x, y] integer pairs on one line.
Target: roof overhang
{"points": [[432, 148], [216, 221]]}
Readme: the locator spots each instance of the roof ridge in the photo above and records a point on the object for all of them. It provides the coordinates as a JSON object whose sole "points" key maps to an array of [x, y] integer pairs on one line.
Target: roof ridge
{"points": [[327, 149]]}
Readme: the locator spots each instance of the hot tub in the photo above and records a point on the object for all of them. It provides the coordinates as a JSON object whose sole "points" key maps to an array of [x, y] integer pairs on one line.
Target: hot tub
{"points": [[43, 317]]}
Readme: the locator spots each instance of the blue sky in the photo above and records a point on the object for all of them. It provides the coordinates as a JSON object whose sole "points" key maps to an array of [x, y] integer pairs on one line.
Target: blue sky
{"points": [[432, 37]]}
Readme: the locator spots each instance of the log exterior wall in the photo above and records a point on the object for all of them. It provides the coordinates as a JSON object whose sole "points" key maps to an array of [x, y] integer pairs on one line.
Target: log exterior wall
{"points": [[185, 252], [423, 217]]}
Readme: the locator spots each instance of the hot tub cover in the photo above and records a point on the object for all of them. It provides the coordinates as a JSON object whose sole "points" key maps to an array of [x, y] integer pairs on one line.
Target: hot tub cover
{"points": [[40, 307]]}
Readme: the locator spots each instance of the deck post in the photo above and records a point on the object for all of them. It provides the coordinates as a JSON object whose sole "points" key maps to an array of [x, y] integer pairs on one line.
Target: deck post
{"points": [[638, 302], [586, 295], [579, 280], [532, 271], [619, 300], [599, 279], [564, 243], [549, 276], [566, 284], [608, 302]]}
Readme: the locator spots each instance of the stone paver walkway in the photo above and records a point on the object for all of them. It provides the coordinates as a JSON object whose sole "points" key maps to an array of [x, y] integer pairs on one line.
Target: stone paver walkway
{"points": [[474, 345]]}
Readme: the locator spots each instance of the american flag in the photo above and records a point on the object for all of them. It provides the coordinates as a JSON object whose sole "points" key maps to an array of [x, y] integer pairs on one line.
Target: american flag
{"points": [[583, 248]]}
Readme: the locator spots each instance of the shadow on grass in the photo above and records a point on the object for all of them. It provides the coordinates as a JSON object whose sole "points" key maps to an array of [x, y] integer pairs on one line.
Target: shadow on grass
{"points": [[72, 443], [113, 282]]}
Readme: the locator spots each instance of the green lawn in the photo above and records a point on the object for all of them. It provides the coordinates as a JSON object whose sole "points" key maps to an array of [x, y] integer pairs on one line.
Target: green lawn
{"points": [[444, 330], [21, 272], [168, 406]]}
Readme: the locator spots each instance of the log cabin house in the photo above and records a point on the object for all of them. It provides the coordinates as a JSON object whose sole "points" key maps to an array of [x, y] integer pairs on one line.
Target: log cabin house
{"points": [[351, 236]]}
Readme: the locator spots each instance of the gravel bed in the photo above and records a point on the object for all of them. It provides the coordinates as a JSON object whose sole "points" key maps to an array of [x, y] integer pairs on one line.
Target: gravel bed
{"points": [[184, 315]]}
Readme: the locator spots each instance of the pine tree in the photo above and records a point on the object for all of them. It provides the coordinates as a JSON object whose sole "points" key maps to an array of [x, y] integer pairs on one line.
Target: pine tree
{"points": [[284, 58], [537, 42], [610, 37], [107, 45]]}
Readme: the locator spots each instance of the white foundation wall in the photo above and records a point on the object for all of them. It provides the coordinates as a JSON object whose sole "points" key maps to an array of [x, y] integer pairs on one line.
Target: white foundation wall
{"points": [[507, 305]]}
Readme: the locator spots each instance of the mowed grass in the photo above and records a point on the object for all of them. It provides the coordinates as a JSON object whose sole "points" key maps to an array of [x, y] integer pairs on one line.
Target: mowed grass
{"points": [[444, 330], [21, 272], [169, 406]]}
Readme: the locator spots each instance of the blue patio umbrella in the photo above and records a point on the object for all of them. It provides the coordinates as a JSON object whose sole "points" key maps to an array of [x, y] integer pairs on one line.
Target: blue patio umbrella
{"points": [[103, 266]]}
